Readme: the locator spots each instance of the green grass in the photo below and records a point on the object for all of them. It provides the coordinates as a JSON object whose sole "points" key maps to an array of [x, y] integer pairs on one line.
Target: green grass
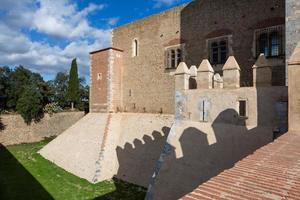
{"points": [[24, 174]]}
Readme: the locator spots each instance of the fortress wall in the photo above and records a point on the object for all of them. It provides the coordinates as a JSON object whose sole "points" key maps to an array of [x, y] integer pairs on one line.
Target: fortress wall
{"points": [[260, 105], [200, 151], [201, 20], [99, 84], [132, 146], [16, 131], [148, 86], [146, 83]]}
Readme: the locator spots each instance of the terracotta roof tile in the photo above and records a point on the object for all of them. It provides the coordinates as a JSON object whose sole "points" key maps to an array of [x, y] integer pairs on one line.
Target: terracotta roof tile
{"points": [[272, 172]]}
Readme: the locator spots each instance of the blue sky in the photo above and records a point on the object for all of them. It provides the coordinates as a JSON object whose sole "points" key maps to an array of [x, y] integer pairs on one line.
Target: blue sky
{"points": [[45, 35]]}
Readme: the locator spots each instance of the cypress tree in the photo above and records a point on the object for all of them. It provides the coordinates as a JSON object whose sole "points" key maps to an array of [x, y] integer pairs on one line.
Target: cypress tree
{"points": [[73, 88]]}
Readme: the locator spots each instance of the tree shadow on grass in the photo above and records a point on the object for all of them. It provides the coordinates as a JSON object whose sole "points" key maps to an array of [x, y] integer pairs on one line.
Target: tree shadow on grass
{"points": [[124, 191], [16, 182]]}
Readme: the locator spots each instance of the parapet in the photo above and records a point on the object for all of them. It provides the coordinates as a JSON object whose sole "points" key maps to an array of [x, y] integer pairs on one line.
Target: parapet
{"points": [[231, 73], [205, 75], [218, 81], [262, 72], [182, 75]]}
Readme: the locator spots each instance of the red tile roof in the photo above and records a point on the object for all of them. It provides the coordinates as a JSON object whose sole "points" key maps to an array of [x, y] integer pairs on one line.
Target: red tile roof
{"points": [[272, 172]]}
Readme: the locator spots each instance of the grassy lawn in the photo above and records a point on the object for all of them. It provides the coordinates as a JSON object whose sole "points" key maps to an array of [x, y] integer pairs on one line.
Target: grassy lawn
{"points": [[24, 174]]}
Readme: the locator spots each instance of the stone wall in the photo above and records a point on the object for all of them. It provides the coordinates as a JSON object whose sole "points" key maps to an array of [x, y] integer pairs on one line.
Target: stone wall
{"points": [[294, 90], [261, 105], [15, 131], [103, 145], [292, 25], [197, 152], [149, 87]]}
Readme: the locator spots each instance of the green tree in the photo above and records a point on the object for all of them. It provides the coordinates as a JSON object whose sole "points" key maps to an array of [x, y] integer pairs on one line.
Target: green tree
{"points": [[4, 84], [83, 103], [59, 88], [29, 105], [73, 89], [18, 80]]}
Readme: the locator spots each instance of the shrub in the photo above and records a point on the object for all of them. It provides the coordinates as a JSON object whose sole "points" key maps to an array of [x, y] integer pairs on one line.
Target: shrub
{"points": [[29, 105], [52, 108]]}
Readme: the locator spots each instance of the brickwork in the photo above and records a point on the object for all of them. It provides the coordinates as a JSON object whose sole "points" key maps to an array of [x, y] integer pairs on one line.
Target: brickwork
{"points": [[272, 172], [116, 87], [98, 73], [106, 80], [149, 87]]}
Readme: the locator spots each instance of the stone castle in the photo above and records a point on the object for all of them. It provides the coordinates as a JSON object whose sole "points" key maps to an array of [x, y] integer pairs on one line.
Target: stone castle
{"points": [[183, 95], [137, 73]]}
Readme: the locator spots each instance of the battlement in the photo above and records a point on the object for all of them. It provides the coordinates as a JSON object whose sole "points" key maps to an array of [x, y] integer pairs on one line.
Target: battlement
{"points": [[204, 77], [206, 94]]}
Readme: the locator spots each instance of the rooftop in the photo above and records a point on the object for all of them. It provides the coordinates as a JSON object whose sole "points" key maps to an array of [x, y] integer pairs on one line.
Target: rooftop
{"points": [[272, 172]]}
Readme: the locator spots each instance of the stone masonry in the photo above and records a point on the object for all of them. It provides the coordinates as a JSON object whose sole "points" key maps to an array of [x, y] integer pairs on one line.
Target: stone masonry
{"points": [[147, 85]]}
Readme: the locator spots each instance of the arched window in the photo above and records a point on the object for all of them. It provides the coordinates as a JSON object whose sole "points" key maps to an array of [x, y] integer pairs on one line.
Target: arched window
{"points": [[135, 47]]}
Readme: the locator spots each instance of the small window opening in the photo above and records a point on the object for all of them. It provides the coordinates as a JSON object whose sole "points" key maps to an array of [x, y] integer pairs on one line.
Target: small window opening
{"points": [[161, 111], [243, 108], [99, 76], [135, 48], [130, 93]]}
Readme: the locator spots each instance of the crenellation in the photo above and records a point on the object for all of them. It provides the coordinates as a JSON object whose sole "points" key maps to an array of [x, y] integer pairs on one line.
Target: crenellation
{"points": [[231, 73], [218, 81], [262, 72], [182, 76], [205, 75]]}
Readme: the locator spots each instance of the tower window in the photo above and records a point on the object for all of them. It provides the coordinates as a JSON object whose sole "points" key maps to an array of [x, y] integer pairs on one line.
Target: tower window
{"points": [[99, 76], [218, 49], [173, 57], [135, 48], [269, 41]]}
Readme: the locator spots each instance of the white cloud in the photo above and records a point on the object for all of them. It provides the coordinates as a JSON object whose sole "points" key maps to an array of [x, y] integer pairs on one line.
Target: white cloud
{"points": [[59, 19], [159, 3], [113, 21]]}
